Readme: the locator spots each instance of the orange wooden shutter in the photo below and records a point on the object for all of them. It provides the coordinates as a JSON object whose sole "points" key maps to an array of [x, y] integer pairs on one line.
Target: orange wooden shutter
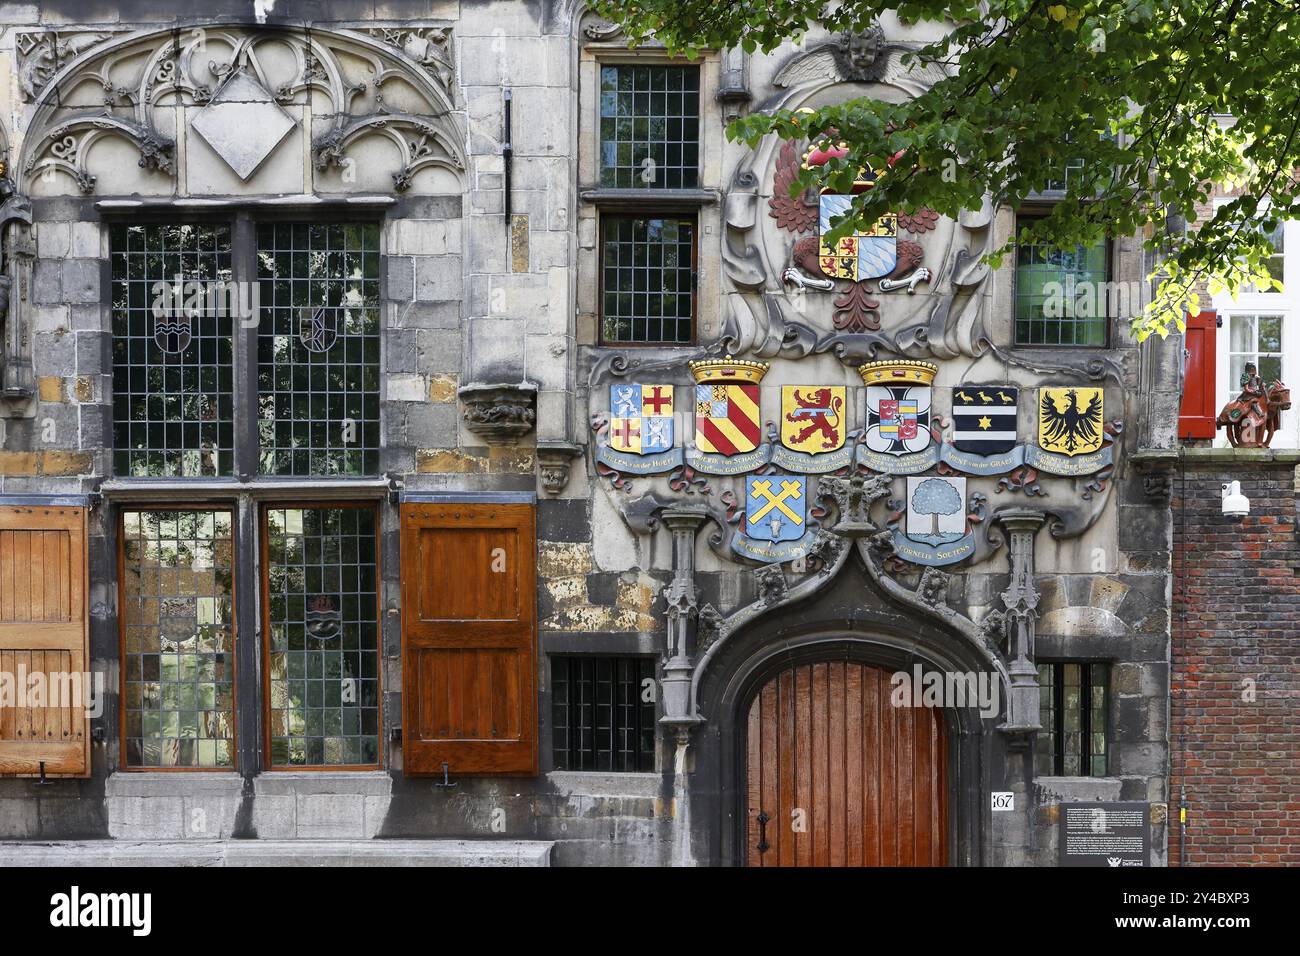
{"points": [[43, 631], [469, 660], [1197, 414]]}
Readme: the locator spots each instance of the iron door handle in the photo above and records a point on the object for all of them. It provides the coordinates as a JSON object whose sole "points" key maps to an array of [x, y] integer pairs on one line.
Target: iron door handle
{"points": [[763, 819]]}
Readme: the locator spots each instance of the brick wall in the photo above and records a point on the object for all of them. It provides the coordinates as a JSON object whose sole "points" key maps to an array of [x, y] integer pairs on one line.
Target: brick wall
{"points": [[1236, 662]]}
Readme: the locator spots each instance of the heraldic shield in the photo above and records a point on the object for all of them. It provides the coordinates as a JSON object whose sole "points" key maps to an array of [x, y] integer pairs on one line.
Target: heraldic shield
{"points": [[641, 418], [812, 417], [1071, 420], [898, 406], [776, 507], [984, 418], [859, 255], [318, 328], [727, 417]]}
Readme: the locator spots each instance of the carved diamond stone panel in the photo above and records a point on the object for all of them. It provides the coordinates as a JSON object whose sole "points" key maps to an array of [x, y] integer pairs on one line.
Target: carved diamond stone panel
{"points": [[243, 124]]}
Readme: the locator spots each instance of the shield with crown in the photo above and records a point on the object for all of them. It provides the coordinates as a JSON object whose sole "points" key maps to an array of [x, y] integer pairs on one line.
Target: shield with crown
{"points": [[898, 406], [727, 417]]}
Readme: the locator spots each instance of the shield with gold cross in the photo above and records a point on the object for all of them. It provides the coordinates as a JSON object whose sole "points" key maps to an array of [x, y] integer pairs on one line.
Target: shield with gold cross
{"points": [[641, 418], [776, 507]]}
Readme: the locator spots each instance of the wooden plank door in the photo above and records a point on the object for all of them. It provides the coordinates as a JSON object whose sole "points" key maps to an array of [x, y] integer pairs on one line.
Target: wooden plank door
{"points": [[469, 649], [837, 776], [43, 641]]}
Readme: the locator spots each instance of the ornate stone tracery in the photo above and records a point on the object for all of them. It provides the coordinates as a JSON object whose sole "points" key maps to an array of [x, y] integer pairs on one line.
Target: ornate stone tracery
{"points": [[342, 86]]}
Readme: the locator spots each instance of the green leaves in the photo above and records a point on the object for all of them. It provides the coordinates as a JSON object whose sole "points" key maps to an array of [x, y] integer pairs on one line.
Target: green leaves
{"points": [[1130, 96]]}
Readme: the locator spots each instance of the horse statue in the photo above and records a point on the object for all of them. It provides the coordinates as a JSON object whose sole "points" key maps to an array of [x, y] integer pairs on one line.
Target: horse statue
{"points": [[1255, 416]]}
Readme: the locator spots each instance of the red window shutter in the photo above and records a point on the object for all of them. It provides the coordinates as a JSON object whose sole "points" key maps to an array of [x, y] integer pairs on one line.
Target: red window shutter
{"points": [[43, 633], [469, 660], [1198, 411]]}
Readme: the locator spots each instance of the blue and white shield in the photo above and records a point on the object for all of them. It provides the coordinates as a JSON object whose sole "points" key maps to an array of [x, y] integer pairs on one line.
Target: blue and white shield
{"points": [[776, 507], [859, 256]]}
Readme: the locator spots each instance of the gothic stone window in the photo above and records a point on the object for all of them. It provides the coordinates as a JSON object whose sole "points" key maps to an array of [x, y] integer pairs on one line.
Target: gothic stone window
{"points": [[650, 144], [247, 348]]}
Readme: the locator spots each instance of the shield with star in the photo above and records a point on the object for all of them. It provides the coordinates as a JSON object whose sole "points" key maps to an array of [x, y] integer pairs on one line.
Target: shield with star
{"points": [[984, 418], [776, 507], [860, 255], [641, 418]]}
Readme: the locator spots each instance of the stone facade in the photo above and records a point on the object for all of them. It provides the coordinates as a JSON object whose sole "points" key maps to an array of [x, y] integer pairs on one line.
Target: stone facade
{"points": [[495, 380]]}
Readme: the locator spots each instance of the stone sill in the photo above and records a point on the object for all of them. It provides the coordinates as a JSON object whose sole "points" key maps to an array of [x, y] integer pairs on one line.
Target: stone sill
{"points": [[1278, 456], [278, 853], [366, 783], [589, 784]]}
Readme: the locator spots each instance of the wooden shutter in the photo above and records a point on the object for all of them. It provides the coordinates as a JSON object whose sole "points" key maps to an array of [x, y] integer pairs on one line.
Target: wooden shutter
{"points": [[43, 631], [1198, 411], [469, 660]]}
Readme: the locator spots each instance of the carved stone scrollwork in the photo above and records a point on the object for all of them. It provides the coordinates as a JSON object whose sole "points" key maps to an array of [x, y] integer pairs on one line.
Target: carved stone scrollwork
{"points": [[500, 413], [42, 55], [554, 462], [772, 586], [387, 82]]}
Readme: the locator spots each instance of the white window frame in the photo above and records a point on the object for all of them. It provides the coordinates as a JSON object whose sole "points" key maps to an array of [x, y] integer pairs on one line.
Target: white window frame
{"points": [[1286, 304]]}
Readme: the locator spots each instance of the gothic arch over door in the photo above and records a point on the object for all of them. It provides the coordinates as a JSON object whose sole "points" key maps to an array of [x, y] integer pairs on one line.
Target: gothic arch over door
{"points": [[835, 775]]}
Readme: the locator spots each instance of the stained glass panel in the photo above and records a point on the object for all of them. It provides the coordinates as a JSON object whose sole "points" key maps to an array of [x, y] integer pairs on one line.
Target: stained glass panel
{"points": [[178, 654], [318, 349], [324, 636], [174, 304]]}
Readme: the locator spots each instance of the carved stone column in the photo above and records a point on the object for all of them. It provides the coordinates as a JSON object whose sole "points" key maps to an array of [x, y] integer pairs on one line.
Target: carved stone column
{"points": [[683, 608], [1021, 602], [17, 252]]}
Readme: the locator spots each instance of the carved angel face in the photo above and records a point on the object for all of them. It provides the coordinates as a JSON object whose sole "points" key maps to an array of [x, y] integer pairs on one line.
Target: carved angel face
{"points": [[860, 50]]}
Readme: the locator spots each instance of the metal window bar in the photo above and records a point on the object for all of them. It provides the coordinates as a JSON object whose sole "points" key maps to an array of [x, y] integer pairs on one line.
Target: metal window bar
{"points": [[599, 721]]}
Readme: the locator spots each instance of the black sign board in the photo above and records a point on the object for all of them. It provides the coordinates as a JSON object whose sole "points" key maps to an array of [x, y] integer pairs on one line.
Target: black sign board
{"points": [[1105, 834]]}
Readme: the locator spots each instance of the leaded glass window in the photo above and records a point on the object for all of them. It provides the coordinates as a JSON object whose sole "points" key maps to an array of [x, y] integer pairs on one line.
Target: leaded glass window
{"points": [[318, 349], [323, 624], [649, 127], [603, 713], [1073, 710], [177, 641], [173, 413], [1062, 296], [648, 287]]}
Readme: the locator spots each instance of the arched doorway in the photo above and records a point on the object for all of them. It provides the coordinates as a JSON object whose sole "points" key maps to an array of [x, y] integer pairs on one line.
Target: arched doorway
{"points": [[835, 775]]}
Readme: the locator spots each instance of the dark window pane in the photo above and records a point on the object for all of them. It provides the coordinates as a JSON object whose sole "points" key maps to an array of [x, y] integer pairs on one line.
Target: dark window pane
{"points": [[649, 127], [174, 304], [654, 261], [1073, 712], [318, 349], [1062, 298], [602, 716]]}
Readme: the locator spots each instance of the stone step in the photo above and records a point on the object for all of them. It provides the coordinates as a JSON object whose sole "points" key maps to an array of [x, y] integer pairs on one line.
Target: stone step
{"points": [[277, 853]]}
